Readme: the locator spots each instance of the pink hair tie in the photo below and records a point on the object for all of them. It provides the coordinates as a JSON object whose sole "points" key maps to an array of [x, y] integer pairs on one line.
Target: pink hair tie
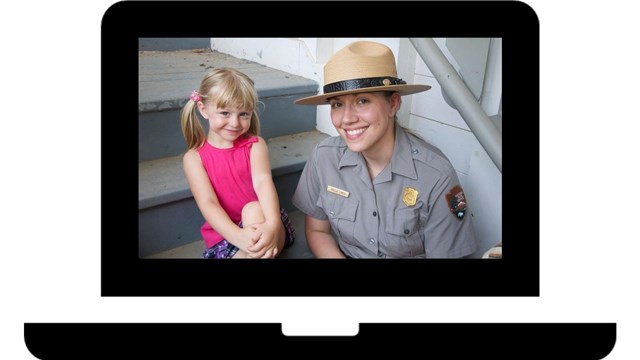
{"points": [[195, 96]]}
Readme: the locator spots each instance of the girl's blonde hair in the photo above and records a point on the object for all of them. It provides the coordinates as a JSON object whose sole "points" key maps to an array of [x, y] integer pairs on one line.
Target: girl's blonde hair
{"points": [[225, 87]]}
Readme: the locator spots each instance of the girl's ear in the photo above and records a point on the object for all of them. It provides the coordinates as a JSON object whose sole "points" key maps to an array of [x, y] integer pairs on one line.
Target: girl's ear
{"points": [[203, 110]]}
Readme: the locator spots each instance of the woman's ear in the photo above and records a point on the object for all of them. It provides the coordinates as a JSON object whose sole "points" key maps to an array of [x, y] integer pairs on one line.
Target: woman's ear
{"points": [[396, 101]]}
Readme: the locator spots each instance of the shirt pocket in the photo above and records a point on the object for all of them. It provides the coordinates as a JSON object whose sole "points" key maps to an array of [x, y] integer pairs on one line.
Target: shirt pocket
{"points": [[404, 237], [342, 215]]}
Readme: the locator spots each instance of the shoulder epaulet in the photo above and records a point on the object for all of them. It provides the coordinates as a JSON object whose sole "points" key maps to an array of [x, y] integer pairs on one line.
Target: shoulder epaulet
{"points": [[428, 153]]}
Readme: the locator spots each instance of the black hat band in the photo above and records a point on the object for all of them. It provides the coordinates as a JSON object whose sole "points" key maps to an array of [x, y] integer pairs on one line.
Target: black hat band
{"points": [[356, 84]]}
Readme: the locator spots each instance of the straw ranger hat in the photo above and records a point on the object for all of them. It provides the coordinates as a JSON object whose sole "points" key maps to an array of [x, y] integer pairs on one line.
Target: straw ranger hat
{"points": [[362, 66]]}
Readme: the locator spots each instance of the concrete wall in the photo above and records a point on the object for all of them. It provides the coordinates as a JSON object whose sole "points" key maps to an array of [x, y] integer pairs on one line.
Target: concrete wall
{"points": [[428, 113]]}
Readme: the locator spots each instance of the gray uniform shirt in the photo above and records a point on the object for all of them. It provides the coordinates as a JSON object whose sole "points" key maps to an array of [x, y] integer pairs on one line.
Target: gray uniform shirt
{"points": [[415, 207]]}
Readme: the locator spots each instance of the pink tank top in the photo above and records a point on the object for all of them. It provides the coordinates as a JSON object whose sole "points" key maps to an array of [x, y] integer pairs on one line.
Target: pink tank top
{"points": [[230, 173]]}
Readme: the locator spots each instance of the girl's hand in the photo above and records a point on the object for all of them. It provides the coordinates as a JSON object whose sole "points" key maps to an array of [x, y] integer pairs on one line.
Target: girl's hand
{"points": [[245, 238], [266, 241]]}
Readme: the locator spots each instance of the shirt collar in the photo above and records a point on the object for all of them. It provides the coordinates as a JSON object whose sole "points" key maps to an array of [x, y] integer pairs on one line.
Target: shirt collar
{"points": [[401, 160], [356, 162], [349, 158], [403, 154]]}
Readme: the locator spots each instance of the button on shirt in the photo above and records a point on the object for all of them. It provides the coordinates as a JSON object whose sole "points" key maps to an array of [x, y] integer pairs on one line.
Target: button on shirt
{"points": [[369, 219]]}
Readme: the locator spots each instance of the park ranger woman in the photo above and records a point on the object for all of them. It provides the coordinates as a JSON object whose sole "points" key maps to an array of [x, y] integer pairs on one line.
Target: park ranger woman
{"points": [[377, 190]]}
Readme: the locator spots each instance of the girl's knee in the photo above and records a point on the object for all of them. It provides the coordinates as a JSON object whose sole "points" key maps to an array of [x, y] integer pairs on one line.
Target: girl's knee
{"points": [[252, 214]]}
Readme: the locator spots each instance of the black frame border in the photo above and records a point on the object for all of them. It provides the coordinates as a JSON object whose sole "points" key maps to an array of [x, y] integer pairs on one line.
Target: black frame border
{"points": [[124, 274]]}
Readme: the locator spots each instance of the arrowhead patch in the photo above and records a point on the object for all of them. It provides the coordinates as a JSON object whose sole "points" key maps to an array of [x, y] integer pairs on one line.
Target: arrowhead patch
{"points": [[457, 202]]}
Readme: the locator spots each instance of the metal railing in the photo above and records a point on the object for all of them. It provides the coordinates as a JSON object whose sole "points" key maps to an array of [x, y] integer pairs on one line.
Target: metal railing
{"points": [[480, 124]]}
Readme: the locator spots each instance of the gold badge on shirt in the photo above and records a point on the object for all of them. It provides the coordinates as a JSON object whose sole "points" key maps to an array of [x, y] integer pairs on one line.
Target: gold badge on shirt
{"points": [[409, 196]]}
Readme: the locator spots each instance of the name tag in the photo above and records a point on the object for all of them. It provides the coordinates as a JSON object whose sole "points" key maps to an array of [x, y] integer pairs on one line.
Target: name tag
{"points": [[337, 191]]}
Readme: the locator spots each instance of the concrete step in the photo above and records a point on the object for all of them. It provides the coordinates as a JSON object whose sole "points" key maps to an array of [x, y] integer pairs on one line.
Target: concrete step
{"points": [[166, 79], [168, 216], [172, 44], [162, 181], [193, 250]]}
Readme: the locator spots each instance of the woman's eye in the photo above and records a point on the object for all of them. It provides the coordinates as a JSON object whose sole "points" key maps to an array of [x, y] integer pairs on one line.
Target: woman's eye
{"points": [[363, 101], [336, 105]]}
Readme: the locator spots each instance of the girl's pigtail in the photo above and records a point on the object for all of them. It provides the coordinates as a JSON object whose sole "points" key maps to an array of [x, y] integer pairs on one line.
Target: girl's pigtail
{"points": [[192, 129]]}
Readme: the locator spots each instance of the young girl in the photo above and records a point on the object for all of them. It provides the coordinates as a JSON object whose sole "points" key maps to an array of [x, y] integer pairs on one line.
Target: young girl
{"points": [[229, 173]]}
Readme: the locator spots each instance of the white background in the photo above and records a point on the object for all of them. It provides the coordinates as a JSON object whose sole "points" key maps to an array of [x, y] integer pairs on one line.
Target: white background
{"points": [[50, 194]]}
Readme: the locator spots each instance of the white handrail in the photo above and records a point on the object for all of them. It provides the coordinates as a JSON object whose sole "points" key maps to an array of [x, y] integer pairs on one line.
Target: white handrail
{"points": [[480, 124]]}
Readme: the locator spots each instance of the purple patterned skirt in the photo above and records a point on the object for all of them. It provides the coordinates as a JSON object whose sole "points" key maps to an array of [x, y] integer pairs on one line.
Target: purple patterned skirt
{"points": [[226, 250]]}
